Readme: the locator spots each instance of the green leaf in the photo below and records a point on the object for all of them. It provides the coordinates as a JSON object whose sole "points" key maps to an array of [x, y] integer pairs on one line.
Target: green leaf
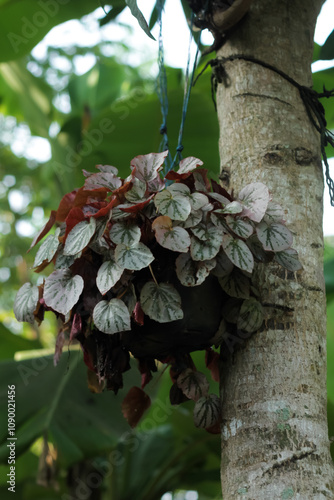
{"points": [[250, 316], [289, 259], [133, 258], [240, 227], [79, 237], [111, 317], [327, 50], [193, 384], [127, 233], [255, 198], [161, 302], [209, 246], [238, 252], [207, 411], [275, 237], [47, 250], [235, 284], [191, 273], [26, 302], [139, 16], [173, 238], [20, 33], [174, 202], [62, 290], [108, 275]]}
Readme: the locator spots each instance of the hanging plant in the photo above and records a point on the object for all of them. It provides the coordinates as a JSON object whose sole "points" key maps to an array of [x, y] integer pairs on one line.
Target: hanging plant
{"points": [[156, 267]]}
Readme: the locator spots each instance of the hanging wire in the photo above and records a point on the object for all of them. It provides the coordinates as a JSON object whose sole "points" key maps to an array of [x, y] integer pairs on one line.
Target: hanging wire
{"points": [[162, 91]]}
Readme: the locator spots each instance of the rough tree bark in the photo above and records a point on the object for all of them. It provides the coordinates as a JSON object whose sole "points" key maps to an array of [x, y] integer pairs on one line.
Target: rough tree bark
{"points": [[274, 436]]}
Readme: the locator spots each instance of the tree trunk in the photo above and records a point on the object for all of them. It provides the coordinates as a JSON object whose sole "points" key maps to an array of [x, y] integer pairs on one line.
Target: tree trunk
{"points": [[274, 435]]}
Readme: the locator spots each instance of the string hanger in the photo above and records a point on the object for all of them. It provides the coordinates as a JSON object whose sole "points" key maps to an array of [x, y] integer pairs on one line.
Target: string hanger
{"points": [[162, 91]]}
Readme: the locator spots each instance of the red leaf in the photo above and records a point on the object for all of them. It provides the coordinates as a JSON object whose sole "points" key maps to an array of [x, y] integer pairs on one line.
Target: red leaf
{"points": [[134, 404], [60, 341], [215, 428], [138, 314], [217, 188], [204, 174], [44, 230], [75, 216], [76, 326], [65, 205], [123, 189], [82, 196], [105, 210], [174, 176], [212, 362], [145, 368]]}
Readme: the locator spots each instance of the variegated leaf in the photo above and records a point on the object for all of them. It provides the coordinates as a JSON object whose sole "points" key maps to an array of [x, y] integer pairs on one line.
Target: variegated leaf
{"points": [[117, 212], [173, 238], [108, 169], [233, 207], [193, 384], [219, 197], [25, 303], [124, 232], [198, 200], [191, 273], [189, 164], [289, 259], [161, 302], [240, 227], [111, 317], [62, 290], [274, 213], [204, 232], [250, 316], [255, 198], [103, 179], [207, 411], [156, 184], [65, 261], [137, 192], [194, 218], [134, 257], [174, 202], [208, 248], [236, 284], [148, 166], [48, 249], [238, 252], [224, 266], [257, 250], [275, 237], [79, 237], [108, 275]]}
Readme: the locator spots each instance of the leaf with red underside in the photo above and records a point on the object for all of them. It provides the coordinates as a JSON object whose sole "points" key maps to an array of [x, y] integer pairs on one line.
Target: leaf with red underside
{"points": [[212, 362], [82, 196], [135, 403], [138, 314], [65, 205], [60, 341], [133, 209], [76, 326], [44, 230], [217, 188], [75, 216], [106, 209], [202, 182]]}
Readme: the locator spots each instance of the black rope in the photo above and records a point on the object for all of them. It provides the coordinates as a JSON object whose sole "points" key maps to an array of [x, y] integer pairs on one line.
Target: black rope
{"points": [[310, 98]]}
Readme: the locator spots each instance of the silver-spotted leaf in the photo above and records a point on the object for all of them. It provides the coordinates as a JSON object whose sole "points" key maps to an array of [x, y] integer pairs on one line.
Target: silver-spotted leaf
{"points": [[189, 164], [193, 384], [240, 227], [62, 290], [250, 316], [207, 411], [108, 169], [137, 192], [236, 284], [191, 273], [274, 213], [103, 179], [238, 252], [134, 257], [233, 207], [79, 237], [146, 167], [289, 259], [173, 238], [255, 198], [124, 232], [198, 201], [111, 317], [207, 248], [161, 302], [48, 249], [194, 218], [275, 237], [108, 275], [65, 261], [26, 302], [174, 202]]}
